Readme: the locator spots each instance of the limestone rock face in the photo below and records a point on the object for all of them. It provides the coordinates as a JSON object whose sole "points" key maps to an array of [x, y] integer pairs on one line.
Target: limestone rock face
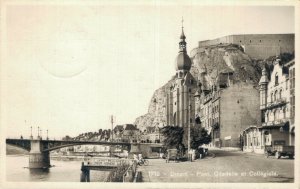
{"points": [[215, 60], [225, 59], [156, 110]]}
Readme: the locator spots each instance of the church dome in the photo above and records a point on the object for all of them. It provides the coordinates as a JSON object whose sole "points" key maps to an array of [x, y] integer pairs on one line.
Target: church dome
{"points": [[183, 62]]}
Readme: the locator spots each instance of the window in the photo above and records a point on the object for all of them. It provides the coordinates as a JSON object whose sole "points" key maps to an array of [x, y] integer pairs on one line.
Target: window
{"points": [[276, 79], [271, 97], [275, 95], [280, 94]]}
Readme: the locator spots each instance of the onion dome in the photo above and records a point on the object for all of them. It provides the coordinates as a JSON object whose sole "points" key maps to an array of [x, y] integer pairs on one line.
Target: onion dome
{"points": [[182, 61]]}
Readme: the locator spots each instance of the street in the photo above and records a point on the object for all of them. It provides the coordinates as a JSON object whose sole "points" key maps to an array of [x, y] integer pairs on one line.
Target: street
{"points": [[226, 166]]}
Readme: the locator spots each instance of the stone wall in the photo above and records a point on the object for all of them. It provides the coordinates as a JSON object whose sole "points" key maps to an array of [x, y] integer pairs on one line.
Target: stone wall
{"points": [[239, 108]]}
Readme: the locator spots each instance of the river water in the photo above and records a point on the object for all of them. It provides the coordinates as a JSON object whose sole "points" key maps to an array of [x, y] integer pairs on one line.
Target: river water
{"points": [[63, 171]]}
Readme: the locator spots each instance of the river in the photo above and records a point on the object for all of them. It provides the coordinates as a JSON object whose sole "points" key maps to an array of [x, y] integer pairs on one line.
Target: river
{"points": [[62, 171]]}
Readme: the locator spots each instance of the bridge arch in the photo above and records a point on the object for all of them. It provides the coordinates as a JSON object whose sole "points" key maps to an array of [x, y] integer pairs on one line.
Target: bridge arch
{"points": [[20, 147]]}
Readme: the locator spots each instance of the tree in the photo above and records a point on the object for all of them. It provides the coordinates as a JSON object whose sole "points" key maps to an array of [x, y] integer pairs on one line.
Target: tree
{"points": [[100, 131], [173, 136], [67, 137], [199, 136]]}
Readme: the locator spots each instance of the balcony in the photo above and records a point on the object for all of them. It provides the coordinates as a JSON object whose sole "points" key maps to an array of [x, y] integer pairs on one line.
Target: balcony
{"points": [[276, 123], [276, 103]]}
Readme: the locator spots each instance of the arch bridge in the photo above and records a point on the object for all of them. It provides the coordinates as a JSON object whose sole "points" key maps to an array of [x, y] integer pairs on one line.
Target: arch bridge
{"points": [[39, 149]]}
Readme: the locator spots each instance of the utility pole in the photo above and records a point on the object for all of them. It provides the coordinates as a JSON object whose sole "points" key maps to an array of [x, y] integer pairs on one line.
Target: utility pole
{"points": [[112, 127], [47, 135], [38, 132], [112, 133]]}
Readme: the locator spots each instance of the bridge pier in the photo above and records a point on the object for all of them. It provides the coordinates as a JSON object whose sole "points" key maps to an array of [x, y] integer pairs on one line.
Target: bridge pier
{"points": [[37, 158]]}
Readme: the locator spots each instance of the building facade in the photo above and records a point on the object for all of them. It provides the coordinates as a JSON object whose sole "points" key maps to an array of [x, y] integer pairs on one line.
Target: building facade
{"points": [[291, 66], [277, 103], [226, 110], [253, 140], [126, 133], [151, 135]]}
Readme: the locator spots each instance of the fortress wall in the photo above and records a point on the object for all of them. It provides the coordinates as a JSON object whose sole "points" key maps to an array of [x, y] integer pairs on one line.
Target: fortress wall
{"points": [[258, 46], [225, 39]]}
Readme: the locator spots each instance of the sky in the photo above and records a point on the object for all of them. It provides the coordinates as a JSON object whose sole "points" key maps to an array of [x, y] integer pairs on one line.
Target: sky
{"points": [[69, 67]]}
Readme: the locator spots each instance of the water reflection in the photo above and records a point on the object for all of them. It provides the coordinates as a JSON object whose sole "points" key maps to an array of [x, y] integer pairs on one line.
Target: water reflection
{"points": [[39, 171], [61, 171], [39, 174]]}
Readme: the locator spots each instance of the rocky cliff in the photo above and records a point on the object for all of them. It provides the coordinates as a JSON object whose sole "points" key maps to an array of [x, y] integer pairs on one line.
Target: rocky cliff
{"points": [[215, 60]]}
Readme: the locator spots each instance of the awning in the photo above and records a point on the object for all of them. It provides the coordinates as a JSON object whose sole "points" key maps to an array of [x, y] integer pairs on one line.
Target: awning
{"points": [[285, 125]]}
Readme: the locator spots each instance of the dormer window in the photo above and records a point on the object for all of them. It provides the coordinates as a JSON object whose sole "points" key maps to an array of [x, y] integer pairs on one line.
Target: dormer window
{"points": [[276, 79]]}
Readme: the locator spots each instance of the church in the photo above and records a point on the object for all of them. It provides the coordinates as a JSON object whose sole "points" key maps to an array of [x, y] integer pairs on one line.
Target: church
{"points": [[180, 104]]}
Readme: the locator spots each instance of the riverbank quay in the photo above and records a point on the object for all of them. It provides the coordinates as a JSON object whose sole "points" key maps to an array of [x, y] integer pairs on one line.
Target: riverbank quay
{"points": [[226, 166], [121, 170]]}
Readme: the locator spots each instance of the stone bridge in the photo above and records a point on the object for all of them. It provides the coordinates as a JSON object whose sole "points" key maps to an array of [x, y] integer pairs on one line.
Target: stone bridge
{"points": [[39, 149]]}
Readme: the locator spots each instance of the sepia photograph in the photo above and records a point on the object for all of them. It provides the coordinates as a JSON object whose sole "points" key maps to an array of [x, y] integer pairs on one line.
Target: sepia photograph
{"points": [[148, 94]]}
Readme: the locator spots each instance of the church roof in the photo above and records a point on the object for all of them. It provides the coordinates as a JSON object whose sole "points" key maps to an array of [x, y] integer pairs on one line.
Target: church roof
{"points": [[182, 61]]}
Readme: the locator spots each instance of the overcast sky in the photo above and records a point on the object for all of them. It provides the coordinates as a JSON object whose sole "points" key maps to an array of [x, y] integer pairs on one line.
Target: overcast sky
{"points": [[68, 68]]}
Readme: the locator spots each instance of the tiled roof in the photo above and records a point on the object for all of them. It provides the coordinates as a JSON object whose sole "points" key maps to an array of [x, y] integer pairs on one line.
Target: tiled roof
{"points": [[130, 127]]}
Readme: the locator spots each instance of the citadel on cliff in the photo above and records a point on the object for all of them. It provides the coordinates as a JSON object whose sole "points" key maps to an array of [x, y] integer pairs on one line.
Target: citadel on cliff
{"points": [[223, 86]]}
